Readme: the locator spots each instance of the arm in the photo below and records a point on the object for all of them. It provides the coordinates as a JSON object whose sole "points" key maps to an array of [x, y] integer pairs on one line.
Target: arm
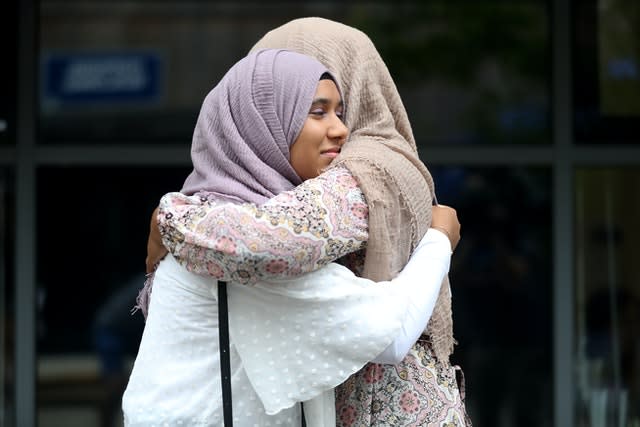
{"points": [[330, 323], [293, 233], [421, 278]]}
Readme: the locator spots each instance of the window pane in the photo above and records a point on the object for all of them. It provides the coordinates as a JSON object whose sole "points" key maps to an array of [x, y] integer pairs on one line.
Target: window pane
{"points": [[7, 312], [468, 71], [607, 296], [8, 72], [501, 284], [91, 247], [606, 71], [140, 70]]}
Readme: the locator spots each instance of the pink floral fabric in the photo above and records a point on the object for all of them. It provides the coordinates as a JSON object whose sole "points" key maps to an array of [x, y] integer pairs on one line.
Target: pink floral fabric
{"points": [[295, 232], [417, 392]]}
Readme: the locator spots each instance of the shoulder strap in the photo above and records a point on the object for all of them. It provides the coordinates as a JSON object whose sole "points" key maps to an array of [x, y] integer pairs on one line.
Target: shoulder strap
{"points": [[225, 360]]}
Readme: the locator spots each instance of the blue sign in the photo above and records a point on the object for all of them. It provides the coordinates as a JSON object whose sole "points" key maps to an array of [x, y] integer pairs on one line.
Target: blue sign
{"points": [[623, 69], [98, 78]]}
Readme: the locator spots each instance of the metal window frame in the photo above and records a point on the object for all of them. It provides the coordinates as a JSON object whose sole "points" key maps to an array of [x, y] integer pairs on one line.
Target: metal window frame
{"points": [[25, 262], [562, 156]]}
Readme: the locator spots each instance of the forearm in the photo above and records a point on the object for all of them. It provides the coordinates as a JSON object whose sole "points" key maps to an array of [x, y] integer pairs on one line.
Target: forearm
{"points": [[295, 232], [421, 279]]}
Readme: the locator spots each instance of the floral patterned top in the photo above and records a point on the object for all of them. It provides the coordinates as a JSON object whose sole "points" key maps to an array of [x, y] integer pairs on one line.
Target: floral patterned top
{"points": [[296, 232]]}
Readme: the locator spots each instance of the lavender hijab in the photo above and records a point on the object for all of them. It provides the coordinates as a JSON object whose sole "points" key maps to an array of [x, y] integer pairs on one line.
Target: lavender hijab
{"points": [[246, 125], [240, 148]]}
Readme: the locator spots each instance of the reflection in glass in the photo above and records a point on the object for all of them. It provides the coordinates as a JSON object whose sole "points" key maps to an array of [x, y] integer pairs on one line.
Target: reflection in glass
{"points": [[8, 73], [607, 296], [7, 312], [91, 248], [619, 67], [501, 285], [140, 70], [468, 71], [606, 64]]}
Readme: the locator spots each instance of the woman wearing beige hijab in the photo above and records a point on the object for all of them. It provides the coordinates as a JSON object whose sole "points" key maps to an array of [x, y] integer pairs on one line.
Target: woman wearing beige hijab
{"points": [[381, 155]]}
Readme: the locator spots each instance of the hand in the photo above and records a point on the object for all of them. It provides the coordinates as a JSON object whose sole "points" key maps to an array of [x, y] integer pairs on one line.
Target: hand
{"points": [[155, 249], [445, 219]]}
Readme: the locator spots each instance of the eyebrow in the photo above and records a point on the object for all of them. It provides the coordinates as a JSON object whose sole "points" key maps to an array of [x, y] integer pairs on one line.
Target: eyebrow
{"points": [[326, 101]]}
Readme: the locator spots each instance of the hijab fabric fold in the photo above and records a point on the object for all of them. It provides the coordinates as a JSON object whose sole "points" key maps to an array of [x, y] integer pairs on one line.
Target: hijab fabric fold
{"points": [[381, 153], [240, 146]]}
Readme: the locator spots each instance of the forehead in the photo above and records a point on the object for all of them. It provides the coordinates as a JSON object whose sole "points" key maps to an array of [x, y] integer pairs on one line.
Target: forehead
{"points": [[327, 89]]}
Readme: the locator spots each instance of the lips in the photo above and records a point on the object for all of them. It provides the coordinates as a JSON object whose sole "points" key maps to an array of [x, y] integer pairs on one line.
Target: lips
{"points": [[332, 152]]}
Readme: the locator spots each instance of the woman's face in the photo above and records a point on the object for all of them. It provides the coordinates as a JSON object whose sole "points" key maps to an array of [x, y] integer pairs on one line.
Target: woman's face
{"points": [[322, 135]]}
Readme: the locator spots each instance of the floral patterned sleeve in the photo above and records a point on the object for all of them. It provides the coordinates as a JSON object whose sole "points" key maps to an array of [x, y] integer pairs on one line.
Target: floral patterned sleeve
{"points": [[293, 233]]}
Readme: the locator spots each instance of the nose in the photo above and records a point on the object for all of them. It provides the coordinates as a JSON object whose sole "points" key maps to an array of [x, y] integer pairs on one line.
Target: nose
{"points": [[338, 130]]}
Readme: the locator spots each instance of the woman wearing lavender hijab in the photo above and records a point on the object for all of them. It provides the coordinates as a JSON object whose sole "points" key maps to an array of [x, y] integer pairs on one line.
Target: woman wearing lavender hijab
{"points": [[292, 340], [381, 165]]}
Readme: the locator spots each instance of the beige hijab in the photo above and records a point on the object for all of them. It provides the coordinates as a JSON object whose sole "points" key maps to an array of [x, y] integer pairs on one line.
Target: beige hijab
{"points": [[381, 153]]}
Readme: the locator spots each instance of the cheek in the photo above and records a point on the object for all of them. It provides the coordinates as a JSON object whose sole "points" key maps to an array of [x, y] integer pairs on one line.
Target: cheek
{"points": [[299, 157], [313, 133]]}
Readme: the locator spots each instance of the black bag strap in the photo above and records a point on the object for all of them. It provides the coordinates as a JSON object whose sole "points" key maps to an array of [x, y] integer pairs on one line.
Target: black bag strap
{"points": [[225, 360]]}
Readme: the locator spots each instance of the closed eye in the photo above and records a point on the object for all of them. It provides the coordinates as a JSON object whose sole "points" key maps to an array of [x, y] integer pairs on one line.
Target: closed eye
{"points": [[321, 107]]}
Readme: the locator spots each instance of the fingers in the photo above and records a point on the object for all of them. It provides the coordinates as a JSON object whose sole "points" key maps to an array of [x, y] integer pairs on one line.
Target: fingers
{"points": [[445, 218]]}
